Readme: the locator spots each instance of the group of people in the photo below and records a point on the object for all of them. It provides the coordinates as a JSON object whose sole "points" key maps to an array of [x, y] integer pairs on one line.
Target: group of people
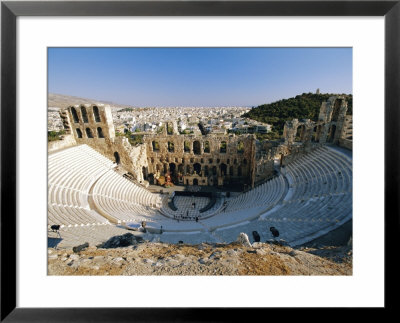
{"points": [[186, 217]]}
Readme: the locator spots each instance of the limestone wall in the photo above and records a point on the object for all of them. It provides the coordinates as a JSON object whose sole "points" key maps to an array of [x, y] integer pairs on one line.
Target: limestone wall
{"points": [[229, 156], [67, 141]]}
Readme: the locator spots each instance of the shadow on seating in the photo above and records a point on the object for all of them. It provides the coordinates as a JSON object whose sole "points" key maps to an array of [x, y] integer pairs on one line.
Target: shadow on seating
{"points": [[53, 242]]}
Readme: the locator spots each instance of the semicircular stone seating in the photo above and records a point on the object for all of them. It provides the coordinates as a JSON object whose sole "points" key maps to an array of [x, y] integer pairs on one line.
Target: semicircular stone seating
{"points": [[311, 196]]}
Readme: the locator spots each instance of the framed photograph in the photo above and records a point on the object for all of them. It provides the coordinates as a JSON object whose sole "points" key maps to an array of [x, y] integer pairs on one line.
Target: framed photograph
{"points": [[183, 155]]}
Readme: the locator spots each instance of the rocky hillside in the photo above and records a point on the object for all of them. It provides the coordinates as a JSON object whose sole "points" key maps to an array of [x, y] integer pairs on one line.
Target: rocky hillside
{"points": [[239, 258], [63, 101]]}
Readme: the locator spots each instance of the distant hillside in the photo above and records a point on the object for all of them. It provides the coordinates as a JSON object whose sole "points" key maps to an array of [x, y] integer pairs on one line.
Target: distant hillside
{"points": [[63, 101], [304, 106]]}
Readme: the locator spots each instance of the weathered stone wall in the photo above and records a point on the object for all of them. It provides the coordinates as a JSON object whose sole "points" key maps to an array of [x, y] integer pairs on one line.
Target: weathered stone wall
{"points": [[101, 137], [210, 156], [346, 143], [67, 141], [331, 126]]}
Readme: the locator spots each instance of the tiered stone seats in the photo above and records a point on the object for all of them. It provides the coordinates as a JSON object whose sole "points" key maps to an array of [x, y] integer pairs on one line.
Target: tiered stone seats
{"points": [[124, 200], [265, 194], [318, 200], [71, 173], [310, 197], [185, 209]]}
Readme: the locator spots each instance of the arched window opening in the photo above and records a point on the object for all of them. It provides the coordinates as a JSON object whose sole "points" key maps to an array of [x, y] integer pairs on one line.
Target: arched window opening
{"points": [[170, 129], [206, 170], [144, 172], [79, 133], [239, 170], [331, 133], [195, 181], [171, 147], [336, 110], [214, 170], [172, 169], [156, 146], [245, 161], [206, 147], [210, 161], [186, 147], [222, 147], [196, 147], [96, 114], [75, 116], [89, 133], [84, 115], [100, 132], [300, 133], [240, 147], [197, 168], [223, 169], [187, 169]]}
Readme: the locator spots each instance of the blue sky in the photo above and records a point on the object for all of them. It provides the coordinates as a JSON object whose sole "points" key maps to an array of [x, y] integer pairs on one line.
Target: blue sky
{"points": [[197, 76]]}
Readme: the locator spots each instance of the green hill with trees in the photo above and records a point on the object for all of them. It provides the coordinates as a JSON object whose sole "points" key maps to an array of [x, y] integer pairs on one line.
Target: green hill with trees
{"points": [[304, 106]]}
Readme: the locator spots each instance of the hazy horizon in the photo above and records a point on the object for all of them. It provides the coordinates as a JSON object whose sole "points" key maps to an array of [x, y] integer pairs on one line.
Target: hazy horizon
{"points": [[197, 77]]}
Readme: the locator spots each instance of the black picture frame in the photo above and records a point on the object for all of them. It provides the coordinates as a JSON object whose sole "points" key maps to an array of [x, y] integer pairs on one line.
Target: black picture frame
{"points": [[10, 10]]}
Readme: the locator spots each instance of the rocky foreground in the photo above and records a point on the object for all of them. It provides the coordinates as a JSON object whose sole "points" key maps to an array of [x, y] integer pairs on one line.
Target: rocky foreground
{"points": [[239, 258]]}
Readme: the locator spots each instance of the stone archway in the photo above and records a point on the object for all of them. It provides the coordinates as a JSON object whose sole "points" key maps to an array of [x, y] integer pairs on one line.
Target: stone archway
{"points": [[74, 115], [197, 168], [300, 133], [331, 134], [196, 147], [223, 169], [195, 181], [144, 172]]}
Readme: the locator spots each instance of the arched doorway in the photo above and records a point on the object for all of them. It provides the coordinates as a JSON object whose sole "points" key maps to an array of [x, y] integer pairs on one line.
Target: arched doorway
{"points": [[117, 159], [195, 181], [314, 135], [144, 172], [336, 110], [300, 133], [331, 133], [172, 169], [223, 169], [196, 147], [197, 168]]}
